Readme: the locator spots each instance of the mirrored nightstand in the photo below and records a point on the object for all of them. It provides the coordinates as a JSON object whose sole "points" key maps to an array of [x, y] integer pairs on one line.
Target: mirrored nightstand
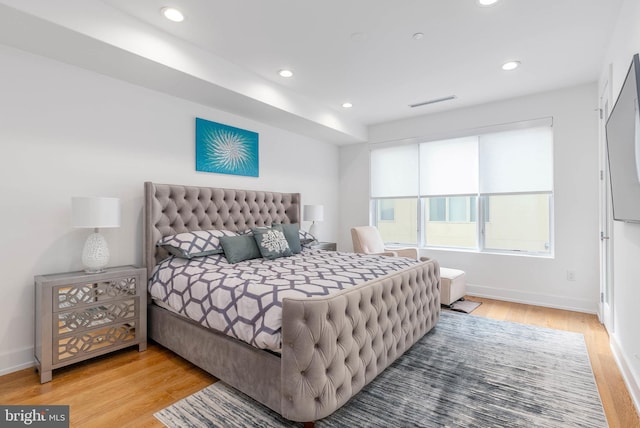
{"points": [[329, 246], [81, 315]]}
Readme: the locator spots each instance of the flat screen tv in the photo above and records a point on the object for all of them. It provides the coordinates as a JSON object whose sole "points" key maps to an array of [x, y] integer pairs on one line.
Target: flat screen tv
{"points": [[623, 148]]}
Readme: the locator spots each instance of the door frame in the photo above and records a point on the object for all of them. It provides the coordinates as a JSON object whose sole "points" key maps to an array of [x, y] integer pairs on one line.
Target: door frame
{"points": [[606, 306]]}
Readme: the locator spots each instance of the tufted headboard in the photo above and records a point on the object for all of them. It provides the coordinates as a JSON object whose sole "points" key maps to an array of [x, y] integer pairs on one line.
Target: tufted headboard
{"points": [[171, 209]]}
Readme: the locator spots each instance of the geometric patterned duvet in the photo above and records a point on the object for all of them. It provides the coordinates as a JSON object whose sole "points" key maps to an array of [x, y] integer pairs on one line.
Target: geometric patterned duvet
{"points": [[244, 300]]}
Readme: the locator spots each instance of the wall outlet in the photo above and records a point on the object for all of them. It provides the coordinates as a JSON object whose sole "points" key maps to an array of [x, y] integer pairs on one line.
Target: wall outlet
{"points": [[571, 275]]}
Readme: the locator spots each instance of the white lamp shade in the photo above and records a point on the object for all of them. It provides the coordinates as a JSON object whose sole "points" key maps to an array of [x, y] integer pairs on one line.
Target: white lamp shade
{"points": [[313, 213], [94, 212]]}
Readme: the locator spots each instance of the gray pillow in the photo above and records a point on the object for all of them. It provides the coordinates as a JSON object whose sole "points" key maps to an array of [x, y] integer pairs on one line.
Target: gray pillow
{"points": [[293, 238], [271, 242], [240, 248]]}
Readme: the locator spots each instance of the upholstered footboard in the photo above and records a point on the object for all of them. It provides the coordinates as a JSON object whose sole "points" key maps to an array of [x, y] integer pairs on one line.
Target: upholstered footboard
{"points": [[332, 346]]}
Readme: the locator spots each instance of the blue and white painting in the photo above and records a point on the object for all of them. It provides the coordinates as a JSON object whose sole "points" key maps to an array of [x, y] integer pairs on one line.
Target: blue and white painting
{"points": [[226, 150]]}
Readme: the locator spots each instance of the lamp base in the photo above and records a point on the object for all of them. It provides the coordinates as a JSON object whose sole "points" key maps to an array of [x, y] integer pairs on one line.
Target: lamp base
{"points": [[313, 230], [95, 253]]}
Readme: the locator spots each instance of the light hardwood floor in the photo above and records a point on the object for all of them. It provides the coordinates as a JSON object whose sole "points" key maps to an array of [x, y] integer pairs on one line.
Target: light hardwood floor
{"points": [[125, 388]]}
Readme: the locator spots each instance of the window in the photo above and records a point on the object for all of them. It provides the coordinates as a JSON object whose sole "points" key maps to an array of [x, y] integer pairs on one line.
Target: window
{"points": [[492, 191], [387, 210], [454, 224], [458, 209], [402, 228], [454, 209], [395, 185], [437, 209], [521, 223], [473, 208]]}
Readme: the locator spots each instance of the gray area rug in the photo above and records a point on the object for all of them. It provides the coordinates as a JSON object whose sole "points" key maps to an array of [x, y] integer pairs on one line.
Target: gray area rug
{"points": [[467, 372]]}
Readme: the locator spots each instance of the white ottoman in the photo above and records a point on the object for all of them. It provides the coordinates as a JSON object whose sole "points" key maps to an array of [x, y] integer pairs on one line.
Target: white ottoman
{"points": [[453, 285]]}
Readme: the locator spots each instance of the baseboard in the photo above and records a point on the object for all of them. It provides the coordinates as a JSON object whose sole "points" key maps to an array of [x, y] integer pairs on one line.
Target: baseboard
{"points": [[16, 360], [546, 300], [627, 374]]}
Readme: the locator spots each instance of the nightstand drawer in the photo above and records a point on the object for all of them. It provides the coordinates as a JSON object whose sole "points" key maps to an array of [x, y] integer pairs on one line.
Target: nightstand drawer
{"points": [[82, 345], [90, 293], [92, 317]]}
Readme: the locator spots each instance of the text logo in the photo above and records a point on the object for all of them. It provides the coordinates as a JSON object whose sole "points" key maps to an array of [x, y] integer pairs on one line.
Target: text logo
{"points": [[34, 416]]}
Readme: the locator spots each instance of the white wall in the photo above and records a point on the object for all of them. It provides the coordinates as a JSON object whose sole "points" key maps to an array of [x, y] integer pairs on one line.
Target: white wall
{"points": [[535, 280], [625, 338], [354, 191], [69, 132]]}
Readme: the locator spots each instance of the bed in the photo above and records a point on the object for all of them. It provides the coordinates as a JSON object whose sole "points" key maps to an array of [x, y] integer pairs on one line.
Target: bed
{"points": [[331, 345]]}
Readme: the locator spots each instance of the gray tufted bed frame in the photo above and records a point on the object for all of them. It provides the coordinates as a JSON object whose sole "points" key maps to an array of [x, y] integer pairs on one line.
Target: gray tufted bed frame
{"points": [[332, 346]]}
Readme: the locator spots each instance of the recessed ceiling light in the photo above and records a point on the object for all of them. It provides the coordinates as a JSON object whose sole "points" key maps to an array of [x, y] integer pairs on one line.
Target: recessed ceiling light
{"points": [[172, 14], [417, 36], [487, 2], [285, 73], [511, 65], [347, 105]]}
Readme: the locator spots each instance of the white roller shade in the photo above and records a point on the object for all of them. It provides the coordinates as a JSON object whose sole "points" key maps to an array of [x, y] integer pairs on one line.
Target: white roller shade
{"points": [[517, 161], [449, 167], [394, 171]]}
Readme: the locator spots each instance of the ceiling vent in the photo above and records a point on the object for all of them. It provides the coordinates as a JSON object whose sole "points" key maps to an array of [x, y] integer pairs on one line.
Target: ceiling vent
{"points": [[435, 100]]}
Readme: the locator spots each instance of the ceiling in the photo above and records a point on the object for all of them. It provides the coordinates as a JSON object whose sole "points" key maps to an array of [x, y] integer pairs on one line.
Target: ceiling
{"points": [[227, 54]]}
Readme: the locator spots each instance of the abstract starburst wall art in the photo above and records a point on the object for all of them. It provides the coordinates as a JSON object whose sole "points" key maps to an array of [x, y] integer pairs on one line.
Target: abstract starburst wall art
{"points": [[225, 149]]}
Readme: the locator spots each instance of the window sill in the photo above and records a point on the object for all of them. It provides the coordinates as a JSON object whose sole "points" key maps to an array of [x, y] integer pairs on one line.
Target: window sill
{"points": [[490, 252]]}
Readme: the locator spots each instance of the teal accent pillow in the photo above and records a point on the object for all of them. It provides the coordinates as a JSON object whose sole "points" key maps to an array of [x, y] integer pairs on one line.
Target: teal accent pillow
{"points": [[240, 248], [271, 242], [292, 236]]}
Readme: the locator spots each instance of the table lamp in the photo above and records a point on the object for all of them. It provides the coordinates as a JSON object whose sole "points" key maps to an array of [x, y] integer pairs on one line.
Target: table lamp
{"points": [[95, 212], [313, 213]]}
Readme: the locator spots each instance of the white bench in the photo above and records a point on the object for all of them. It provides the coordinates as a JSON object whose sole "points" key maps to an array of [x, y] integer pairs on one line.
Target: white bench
{"points": [[453, 285]]}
